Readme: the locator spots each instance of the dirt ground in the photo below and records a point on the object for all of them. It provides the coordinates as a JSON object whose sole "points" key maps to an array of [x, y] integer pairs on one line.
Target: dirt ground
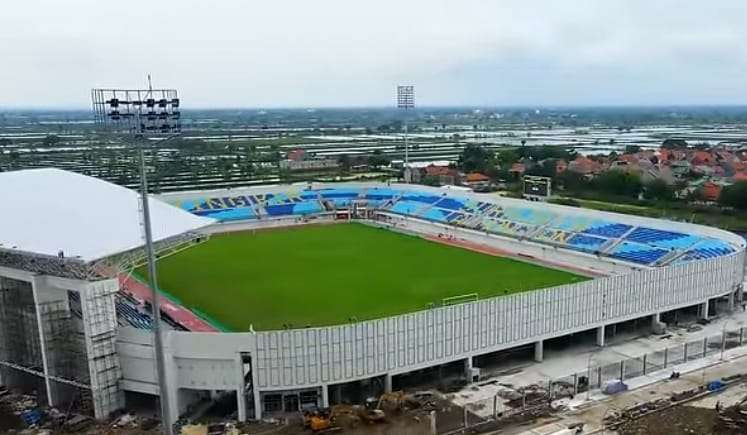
{"points": [[680, 420], [8, 421]]}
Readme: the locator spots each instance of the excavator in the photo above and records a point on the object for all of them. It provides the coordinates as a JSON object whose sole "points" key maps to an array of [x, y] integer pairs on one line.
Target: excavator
{"points": [[318, 420], [322, 420]]}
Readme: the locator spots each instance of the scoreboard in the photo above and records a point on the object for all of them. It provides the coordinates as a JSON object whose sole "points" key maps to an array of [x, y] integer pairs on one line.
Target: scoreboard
{"points": [[537, 188]]}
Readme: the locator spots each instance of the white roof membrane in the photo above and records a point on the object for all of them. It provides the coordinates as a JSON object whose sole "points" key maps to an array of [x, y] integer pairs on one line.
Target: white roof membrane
{"points": [[45, 211]]}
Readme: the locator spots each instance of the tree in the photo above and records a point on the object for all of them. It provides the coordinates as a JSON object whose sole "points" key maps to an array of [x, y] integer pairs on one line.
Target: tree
{"points": [[344, 161], [734, 196], [571, 180], [546, 152], [619, 183], [378, 159], [658, 189], [430, 180], [507, 157], [702, 146], [632, 149], [673, 144], [545, 169], [475, 158], [51, 140]]}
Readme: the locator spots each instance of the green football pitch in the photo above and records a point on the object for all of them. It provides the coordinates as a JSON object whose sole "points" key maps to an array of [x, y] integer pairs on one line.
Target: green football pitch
{"points": [[330, 274]]}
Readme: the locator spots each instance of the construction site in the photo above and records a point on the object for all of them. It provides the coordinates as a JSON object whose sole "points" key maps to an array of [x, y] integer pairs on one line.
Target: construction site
{"points": [[700, 390]]}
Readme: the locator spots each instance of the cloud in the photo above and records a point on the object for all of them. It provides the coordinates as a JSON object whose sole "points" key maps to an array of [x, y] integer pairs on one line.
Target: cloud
{"points": [[342, 53]]}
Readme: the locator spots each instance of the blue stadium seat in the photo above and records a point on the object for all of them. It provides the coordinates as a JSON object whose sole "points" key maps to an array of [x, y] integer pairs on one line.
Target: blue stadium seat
{"points": [[662, 238], [528, 215], [451, 203], [638, 253], [132, 316], [708, 248], [424, 198], [340, 197], [436, 214], [406, 207], [642, 245], [586, 243], [607, 229]]}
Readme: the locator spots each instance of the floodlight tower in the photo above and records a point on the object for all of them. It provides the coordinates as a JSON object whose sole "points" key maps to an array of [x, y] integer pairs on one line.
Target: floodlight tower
{"points": [[139, 115], [406, 100]]}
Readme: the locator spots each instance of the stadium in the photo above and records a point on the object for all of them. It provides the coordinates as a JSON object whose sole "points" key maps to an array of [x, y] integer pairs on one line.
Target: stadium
{"points": [[285, 296]]}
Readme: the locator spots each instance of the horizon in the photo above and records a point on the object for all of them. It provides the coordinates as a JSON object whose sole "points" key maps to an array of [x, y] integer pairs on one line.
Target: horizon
{"points": [[417, 108]]}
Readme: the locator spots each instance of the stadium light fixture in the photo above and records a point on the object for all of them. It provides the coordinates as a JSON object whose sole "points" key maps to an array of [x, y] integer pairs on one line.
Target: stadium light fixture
{"points": [[140, 115], [405, 101]]}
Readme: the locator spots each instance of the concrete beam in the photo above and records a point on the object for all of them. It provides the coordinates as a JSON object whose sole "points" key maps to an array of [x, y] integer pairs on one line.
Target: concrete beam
{"points": [[600, 336], [539, 348]]}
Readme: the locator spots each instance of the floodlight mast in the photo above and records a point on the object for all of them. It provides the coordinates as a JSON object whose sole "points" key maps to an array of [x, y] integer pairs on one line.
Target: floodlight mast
{"points": [[406, 100], [122, 111]]}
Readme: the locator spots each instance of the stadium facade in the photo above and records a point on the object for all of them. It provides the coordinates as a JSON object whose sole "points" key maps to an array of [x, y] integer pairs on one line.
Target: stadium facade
{"points": [[643, 267]]}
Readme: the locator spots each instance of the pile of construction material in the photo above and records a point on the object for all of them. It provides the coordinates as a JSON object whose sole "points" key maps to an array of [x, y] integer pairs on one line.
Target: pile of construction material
{"points": [[733, 420]]}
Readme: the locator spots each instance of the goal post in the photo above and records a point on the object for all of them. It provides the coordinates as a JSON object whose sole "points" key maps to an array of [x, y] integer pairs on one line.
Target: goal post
{"points": [[461, 299]]}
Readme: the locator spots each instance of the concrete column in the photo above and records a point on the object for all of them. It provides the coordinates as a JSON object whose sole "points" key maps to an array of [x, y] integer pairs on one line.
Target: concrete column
{"points": [[257, 398], [732, 297], [171, 380], [704, 310], [387, 383], [241, 390], [241, 404], [539, 351], [600, 336], [325, 396], [468, 369], [657, 326]]}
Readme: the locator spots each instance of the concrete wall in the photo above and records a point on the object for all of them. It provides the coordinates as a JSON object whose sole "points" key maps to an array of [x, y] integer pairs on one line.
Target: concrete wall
{"points": [[286, 360], [291, 359], [304, 358]]}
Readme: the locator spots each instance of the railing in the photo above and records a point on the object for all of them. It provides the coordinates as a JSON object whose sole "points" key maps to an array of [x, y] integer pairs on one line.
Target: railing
{"points": [[532, 401]]}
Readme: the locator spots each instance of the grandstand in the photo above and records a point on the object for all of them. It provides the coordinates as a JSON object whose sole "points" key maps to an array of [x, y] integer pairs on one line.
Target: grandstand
{"points": [[557, 227], [76, 325], [643, 267]]}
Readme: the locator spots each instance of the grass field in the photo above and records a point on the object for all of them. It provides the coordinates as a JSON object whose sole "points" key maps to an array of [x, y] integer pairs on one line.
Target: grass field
{"points": [[326, 274]]}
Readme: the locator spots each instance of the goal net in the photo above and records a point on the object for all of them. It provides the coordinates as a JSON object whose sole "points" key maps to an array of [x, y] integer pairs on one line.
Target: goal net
{"points": [[461, 299]]}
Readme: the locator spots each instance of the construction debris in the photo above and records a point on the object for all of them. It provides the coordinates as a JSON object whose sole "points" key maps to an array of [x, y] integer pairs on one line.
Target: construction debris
{"points": [[733, 420]]}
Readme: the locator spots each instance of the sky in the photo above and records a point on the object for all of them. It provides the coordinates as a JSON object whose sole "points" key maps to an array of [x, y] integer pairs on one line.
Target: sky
{"points": [[352, 53]]}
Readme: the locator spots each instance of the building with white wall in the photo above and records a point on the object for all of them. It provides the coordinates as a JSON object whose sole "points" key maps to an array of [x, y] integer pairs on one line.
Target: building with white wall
{"points": [[64, 246]]}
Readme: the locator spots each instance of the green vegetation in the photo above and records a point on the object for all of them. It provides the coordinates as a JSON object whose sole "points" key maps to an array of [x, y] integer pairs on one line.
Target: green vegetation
{"points": [[735, 196], [332, 274]]}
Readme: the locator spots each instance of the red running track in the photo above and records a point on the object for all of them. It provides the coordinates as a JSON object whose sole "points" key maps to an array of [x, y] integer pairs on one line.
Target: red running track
{"points": [[181, 315]]}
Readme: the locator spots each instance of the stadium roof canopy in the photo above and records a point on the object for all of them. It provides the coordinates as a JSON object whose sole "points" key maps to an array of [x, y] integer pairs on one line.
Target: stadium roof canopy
{"points": [[45, 211]]}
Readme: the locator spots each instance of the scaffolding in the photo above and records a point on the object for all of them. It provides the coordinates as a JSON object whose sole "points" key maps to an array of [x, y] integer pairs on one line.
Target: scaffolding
{"points": [[65, 346], [61, 343], [19, 339], [58, 326]]}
